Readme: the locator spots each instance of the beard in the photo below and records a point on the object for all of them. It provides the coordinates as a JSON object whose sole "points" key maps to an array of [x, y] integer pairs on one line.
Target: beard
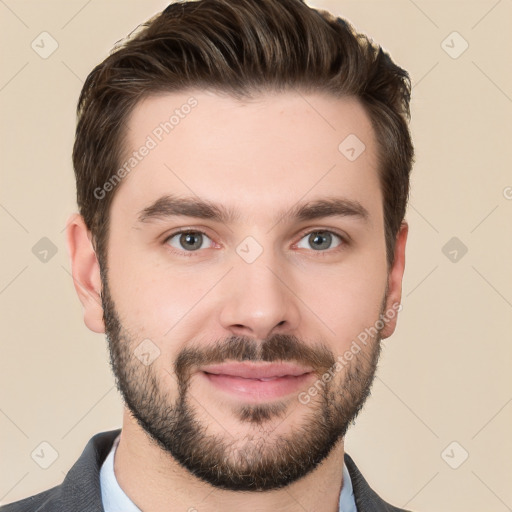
{"points": [[257, 461]]}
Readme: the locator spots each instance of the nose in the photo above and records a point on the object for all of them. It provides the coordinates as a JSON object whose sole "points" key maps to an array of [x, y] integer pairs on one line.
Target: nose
{"points": [[258, 299]]}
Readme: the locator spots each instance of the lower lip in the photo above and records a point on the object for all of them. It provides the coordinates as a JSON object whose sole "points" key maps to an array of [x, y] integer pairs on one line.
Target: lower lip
{"points": [[258, 390]]}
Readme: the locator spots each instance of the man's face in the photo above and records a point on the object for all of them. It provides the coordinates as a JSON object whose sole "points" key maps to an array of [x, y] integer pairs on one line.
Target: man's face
{"points": [[263, 286]]}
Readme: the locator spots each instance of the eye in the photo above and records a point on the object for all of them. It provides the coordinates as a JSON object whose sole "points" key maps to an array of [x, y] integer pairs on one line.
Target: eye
{"points": [[188, 241], [321, 240]]}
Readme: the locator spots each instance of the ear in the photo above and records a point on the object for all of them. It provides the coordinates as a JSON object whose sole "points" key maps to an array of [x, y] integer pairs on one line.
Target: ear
{"points": [[395, 280], [85, 270]]}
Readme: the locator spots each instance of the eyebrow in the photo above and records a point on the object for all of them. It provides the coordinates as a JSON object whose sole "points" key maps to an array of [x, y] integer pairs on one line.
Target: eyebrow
{"points": [[173, 206]]}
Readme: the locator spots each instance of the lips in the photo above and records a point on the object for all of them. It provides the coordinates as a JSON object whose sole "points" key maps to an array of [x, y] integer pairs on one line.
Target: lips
{"points": [[257, 382], [259, 371]]}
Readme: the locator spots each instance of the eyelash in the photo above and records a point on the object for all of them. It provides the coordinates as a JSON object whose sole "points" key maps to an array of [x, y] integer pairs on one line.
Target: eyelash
{"points": [[342, 246]]}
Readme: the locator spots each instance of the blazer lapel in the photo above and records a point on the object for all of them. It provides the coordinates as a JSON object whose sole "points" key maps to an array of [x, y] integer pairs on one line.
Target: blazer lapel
{"points": [[367, 500], [81, 489]]}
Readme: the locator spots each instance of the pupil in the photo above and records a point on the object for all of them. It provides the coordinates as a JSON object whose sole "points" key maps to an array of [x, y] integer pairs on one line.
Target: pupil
{"points": [[189, 240], [319, 238]]}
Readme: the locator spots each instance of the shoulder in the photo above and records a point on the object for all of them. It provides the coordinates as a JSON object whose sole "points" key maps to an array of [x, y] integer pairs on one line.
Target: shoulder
{"points": [[80, 489], [365, 497], [37, 503]]}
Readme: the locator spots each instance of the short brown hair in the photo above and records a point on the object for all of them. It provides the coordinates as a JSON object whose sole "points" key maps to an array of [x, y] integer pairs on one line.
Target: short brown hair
{"points": [[240, 47]]}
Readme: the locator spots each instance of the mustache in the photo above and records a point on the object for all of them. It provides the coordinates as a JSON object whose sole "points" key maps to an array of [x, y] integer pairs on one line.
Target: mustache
{"points": [[280, 347]]}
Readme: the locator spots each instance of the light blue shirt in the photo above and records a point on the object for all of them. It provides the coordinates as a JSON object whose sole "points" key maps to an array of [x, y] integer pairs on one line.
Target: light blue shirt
{"points": [[115, 500]]}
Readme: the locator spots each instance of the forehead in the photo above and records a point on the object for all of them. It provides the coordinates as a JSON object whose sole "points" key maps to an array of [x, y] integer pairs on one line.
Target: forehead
{"points": [[254, 156]]}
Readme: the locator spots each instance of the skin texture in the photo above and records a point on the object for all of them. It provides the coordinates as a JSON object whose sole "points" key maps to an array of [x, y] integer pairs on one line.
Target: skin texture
{"points": [[294, 302]]}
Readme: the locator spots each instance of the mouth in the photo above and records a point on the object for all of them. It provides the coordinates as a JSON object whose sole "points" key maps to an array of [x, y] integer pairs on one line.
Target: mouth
{"points": [[259, 371], [256, 382]]}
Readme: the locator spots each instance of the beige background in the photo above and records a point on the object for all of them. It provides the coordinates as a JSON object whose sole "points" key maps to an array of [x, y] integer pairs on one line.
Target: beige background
{"points": [[444, 376]]}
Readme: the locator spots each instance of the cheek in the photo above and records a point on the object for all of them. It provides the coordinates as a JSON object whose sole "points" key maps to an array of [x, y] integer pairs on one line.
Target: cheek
{"points": [[148, 299], [160, 301], [345, 301], [155, 305]]}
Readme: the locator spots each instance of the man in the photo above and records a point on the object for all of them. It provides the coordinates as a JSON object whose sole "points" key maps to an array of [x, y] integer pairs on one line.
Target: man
{"points": [[242, 173]]}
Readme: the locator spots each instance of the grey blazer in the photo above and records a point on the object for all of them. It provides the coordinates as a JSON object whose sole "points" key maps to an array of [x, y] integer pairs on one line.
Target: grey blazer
{"points": [[80, 491]]}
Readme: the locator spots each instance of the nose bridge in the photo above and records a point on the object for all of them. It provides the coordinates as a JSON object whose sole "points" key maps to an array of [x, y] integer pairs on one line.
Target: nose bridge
{"points": [[258, 299]]}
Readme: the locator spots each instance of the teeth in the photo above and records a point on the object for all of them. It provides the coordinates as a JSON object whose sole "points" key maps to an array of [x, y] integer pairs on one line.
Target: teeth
{"points": [[269, 378]]}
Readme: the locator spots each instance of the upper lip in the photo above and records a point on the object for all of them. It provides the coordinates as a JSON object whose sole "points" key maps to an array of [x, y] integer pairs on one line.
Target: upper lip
{"points": [[257, 370]]}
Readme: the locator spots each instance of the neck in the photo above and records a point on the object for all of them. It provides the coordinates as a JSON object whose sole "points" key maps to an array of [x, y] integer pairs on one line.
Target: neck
{"points": [[155, 481]]}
